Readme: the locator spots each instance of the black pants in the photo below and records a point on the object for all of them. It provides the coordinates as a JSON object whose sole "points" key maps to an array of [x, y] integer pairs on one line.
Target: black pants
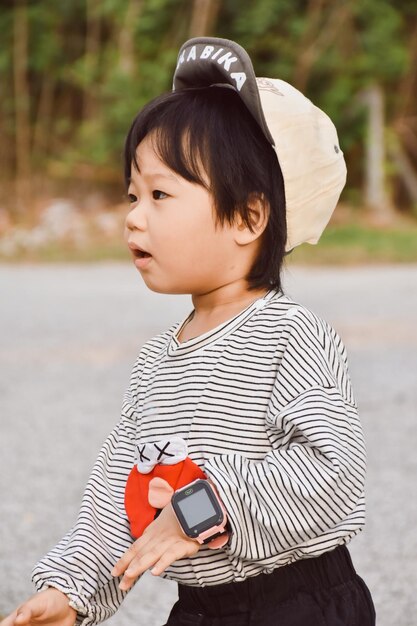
{"points": [[323, 591]]}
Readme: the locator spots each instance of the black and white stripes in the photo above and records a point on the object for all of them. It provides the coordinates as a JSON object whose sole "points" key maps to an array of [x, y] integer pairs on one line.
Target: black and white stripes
{"points": [[265, 404]]}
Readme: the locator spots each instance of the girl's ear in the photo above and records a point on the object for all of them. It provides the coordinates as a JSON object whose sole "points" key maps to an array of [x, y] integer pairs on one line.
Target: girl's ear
{"points": [[258, 214]]}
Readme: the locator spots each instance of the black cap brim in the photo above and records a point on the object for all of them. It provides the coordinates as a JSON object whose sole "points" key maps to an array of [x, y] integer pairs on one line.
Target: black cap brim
{"points": [[208, 61]]}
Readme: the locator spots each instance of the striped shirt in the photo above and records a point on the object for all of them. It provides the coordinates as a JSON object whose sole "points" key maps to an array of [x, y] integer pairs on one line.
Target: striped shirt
{"points": [[265, 404]]}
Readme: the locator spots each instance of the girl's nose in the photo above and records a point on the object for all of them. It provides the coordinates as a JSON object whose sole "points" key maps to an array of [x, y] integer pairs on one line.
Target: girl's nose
{"points": [[135, 219]]}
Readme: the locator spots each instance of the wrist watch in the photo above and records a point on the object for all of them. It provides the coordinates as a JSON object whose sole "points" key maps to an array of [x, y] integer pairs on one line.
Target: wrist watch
{"points": [[200, 513]]}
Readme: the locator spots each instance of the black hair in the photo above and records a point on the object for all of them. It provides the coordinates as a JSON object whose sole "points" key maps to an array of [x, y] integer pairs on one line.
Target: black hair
{"points": [[208, 133]]}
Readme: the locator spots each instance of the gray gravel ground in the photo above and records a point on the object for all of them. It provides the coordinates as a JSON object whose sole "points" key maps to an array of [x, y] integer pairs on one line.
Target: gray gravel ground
{"points": [[69, 335]]}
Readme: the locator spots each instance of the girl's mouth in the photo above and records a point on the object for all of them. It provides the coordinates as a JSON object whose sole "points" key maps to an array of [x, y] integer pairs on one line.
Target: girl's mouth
{"points": [[141, 258], [141, 254]]}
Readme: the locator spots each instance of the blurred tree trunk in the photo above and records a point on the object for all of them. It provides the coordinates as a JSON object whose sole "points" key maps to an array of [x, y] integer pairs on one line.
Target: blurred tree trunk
{"points": [[203, 17], [21, 97], [324, 22], [408, 86], [127, 37], [4, 149], [405, 170], [42, 125], [404, 151], [92, 49], [376, 198]]}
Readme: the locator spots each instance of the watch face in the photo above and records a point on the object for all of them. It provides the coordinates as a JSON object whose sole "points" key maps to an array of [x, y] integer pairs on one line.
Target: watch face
{"points": [[197, 508]]}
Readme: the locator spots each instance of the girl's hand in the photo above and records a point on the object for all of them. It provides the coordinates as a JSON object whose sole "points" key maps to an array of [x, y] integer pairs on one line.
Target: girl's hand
{"points": [[47, 607], [162, 543]]}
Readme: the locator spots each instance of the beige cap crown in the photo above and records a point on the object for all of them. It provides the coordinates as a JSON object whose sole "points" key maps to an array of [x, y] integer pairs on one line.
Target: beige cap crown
{"points": [[309, 155], [303, 137]]}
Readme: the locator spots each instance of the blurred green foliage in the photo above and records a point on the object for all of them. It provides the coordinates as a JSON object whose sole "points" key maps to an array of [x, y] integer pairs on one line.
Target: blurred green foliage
{"points": [[90, 65], [356, 244]]}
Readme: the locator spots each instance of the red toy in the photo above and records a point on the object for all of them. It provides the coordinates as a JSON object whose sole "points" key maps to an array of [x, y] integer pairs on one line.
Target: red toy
{"points": [[162, 468]]}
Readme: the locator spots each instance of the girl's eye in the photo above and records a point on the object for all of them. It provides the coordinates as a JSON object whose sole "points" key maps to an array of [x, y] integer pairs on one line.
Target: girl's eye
{"points": [[132, 198], [159, 195]]}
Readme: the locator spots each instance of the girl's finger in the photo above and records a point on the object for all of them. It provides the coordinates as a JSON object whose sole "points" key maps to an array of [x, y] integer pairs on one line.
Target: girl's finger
{"points": [[176, 551], [138, 546], [141, 563], [124, 562], [9, 620], [23, 616]]}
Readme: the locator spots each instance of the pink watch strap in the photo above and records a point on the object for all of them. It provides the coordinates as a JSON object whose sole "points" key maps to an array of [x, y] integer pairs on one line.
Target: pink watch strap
{"points": [[219, 542]]}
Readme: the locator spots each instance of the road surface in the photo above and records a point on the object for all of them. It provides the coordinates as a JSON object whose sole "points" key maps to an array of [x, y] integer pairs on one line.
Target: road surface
{"points": [[69, 336]]}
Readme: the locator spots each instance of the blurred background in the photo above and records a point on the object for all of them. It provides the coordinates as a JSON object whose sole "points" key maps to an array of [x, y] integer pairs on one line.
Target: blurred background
{"points": [[74, 74], [74, 313]]}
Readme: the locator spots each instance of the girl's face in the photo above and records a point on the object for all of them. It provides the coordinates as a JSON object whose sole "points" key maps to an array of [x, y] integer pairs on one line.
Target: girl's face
{"points": [[173, 221]]}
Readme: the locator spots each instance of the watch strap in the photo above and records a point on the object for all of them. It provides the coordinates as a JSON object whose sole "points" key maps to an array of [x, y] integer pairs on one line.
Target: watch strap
{"points": [[218, 541]]}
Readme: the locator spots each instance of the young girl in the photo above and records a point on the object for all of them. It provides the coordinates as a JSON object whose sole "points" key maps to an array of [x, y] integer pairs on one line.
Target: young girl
{"points": [[250, 393]]}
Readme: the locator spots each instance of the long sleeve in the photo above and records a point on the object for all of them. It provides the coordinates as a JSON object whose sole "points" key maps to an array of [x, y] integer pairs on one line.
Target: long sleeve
{"points": [[313, 477], [81, 563]]}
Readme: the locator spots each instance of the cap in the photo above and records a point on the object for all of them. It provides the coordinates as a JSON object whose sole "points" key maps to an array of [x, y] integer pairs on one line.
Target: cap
{"points": [[302, 135]]}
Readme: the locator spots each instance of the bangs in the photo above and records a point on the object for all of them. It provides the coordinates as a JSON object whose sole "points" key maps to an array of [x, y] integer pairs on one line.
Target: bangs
{"points": [[178, 137]]}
